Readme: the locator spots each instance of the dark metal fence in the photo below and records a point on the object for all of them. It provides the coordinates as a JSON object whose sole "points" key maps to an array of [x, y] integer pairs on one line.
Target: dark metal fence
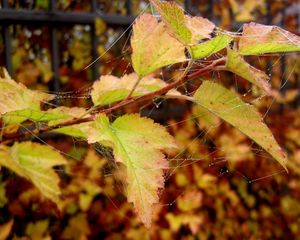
{"points": [[54, 18]]}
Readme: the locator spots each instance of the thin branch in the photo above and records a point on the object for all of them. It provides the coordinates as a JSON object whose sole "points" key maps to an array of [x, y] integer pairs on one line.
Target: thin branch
{"points": [[6, 139], [133, 89], [179, 97]]}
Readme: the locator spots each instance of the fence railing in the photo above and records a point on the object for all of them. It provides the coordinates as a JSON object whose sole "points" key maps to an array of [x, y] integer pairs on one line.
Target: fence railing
{"points": [[54, 18]]}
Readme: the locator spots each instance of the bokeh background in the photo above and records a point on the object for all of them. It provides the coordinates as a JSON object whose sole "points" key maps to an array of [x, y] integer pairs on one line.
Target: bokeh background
{"points": [[220, 186]]}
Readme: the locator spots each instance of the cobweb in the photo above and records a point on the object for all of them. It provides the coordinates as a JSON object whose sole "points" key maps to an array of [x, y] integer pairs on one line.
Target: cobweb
{"points": [[213, 160]]}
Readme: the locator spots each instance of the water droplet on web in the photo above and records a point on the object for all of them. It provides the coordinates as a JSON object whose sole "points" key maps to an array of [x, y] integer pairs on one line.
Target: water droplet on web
{"points": [[27, 33], [157, 104], [223, 170]]}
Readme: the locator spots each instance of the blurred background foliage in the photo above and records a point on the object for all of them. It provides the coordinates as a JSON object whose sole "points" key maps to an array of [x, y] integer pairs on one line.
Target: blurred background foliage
{"points": [[221, 186]]}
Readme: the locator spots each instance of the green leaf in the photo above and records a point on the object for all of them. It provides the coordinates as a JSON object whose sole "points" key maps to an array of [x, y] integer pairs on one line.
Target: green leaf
{"points": [[260, 39], [14, 96], [210, 47], [206, 118], [237, 64], [33, 115], [153, 47], [67, 114], [189, 30], [173, 15], [228, 106], [34, 162], [137, 143], [111, 89], [76, 130]]}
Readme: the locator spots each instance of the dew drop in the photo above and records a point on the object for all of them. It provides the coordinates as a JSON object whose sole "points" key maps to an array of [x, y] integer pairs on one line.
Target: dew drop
{"points": [[223, 170]]}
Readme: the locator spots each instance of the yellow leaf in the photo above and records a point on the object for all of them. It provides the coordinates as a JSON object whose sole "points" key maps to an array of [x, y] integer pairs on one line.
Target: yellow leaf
{"points": [[153, 47], [137, 143], [37, 230], [69, 113], [78, 227], [236, 64], [200, 28], [192, 221], [110, 89], [34, 162], [14, 96], [189, 30], [259, 39], [228, 106], [189, 201]]}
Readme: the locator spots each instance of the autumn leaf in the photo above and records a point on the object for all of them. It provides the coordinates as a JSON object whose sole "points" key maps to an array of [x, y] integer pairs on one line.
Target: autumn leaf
{"points": [[173, 16], [210, 47], [137, 143], [153, 47], [234, 147], [200, 28], [52, 116], [110, 89], [67, 113], [38, 230], [5, 229], [207, 120], [14, 96], [259, 39], [189, 30], [228, 106], [34, 162], [236, 64], [45, 69], [3, 197], [32, 115], [189, 201], [76, 130], [177, 221], [244, 11], [77, 228]]}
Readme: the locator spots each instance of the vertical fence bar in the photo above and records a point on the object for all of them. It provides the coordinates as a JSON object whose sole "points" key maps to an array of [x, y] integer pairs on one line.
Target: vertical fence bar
{"points": [[5, 4], [96, 65], [269, 22], [188, 6], [129, 7], [210, 10], [54, 52], [7, 42], [284, 84]]}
